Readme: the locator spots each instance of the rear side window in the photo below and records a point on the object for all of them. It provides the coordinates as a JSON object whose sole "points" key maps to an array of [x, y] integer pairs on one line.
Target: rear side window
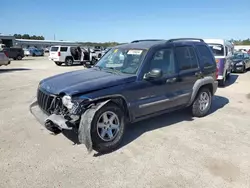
{"points": [[63, 49], [54, 49], [186, 58], [206, 55]]}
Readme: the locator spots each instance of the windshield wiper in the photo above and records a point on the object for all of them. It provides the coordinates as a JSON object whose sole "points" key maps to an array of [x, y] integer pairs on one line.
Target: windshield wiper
{"points": [[113, 70], [99, 67]]}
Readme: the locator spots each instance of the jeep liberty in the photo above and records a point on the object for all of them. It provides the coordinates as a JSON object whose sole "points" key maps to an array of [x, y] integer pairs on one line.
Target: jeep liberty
{"points": [[131, 82]]}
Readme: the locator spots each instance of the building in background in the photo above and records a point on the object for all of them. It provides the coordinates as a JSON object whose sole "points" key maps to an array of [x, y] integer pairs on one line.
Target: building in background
{"points": [[25, 43], [10, 41], [7, 40]]}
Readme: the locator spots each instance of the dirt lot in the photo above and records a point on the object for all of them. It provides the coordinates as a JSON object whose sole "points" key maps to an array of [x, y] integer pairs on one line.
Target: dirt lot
{"points": [[169, 151]]}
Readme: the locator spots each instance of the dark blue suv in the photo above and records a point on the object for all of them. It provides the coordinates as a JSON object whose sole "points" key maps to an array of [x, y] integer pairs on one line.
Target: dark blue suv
{"points": [[129, 83]]}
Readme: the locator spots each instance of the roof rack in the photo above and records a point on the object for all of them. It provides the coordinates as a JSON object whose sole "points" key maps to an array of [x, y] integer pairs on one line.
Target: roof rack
{"points": [[179, 39], [146, 40]]}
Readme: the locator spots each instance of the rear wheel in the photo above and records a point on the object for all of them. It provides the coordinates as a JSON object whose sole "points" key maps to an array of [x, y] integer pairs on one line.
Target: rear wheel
{"points": [[222, 82], [58, 63], [202, 103], [19, 57], [69, 61]]}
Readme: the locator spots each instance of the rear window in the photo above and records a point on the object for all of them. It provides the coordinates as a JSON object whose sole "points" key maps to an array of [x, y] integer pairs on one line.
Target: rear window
{"points": [[218, 49], [63, 49], [54, 49]]}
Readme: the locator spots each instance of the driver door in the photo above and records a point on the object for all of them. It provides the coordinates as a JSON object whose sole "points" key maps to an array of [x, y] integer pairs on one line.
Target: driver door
{"points": [[159, 94]]}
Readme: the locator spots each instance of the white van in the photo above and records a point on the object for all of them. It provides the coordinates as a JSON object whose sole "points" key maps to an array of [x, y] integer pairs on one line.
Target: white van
{"points": [[223, 51], [70, 55]]}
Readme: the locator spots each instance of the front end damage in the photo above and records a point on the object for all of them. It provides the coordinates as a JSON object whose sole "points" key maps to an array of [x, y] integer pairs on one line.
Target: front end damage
{"points": [[59, 113]]}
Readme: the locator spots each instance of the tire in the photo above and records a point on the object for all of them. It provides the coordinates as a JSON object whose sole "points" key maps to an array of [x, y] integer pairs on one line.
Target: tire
{"points": [[222, 82], [33, 55], [58, 63], [104, 144], [69, 61], [99, 55], [243, 69], [197, 111], [228, 76], [19, 57], [14, 58]]}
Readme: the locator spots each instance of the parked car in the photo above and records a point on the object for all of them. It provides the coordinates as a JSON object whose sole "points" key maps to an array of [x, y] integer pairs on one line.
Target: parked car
{"points": [[240, 62], [42, 52], [46, 50], [26, 52], [4, 59], [33, 52], [223, 51], [15, 53], [71, 54], [130, 82]]}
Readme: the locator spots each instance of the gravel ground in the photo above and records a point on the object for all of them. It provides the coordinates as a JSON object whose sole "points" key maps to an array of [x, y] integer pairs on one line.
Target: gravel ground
{"points": [[170, 151]]}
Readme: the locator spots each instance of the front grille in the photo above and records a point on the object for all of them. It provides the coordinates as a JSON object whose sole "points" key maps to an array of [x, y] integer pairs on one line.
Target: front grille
{"points": [[44, 101]]}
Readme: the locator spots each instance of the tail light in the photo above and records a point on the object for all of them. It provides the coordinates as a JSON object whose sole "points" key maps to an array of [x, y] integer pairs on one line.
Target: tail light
{"points": [[217, 72], [6, 53], [59, 53]]}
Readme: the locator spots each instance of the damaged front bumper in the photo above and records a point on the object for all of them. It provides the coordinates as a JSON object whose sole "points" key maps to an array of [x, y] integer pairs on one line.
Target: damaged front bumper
{"points": [[51, 122]]}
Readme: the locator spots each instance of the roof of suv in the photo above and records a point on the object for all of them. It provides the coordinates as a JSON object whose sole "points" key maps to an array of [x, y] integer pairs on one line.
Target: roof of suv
{"points": [[145, 44]]}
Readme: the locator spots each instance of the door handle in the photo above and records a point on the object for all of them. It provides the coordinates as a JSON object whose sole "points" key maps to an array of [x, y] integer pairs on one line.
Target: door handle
{"points": [[171, 80]]}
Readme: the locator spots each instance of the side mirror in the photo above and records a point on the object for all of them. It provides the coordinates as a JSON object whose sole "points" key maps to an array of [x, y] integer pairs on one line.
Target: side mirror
{"points": [[153, 74]]}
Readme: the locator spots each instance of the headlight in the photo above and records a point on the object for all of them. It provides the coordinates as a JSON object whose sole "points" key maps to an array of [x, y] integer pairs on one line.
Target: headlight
{"points": [[74, 105], [240, 63], [67, 102]]}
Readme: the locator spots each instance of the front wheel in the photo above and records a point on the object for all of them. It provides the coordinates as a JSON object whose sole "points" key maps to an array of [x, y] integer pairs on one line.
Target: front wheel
{"points": [[107, 128], [243, 69], [202, 103]]}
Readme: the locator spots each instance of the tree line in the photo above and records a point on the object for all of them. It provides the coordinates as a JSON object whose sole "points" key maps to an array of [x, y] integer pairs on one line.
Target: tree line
{"points": [[27, 36], [241, 42]]}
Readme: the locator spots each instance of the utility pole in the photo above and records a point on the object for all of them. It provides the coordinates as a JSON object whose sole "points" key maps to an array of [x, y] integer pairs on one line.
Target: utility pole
{"points": [[54, 37]]}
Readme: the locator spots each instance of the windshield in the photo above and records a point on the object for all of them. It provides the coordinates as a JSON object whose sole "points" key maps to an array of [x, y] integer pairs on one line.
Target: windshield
{"points": [[238, 56], [218, 49], [122, 60]]}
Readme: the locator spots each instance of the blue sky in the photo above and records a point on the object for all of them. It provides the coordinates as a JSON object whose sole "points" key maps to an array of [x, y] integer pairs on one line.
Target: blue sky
{"points": [[123, 21]]}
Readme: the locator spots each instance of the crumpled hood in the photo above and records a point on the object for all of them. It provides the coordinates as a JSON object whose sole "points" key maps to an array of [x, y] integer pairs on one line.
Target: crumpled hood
{"points": [[83, 81]]}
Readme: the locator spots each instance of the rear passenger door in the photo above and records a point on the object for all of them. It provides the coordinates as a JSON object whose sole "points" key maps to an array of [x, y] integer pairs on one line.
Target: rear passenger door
{"points": [[188, 70]]}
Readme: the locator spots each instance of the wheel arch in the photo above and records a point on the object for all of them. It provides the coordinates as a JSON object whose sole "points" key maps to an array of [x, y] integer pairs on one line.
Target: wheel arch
{"points": [[119, 100], [206, 82], [69, 57]]}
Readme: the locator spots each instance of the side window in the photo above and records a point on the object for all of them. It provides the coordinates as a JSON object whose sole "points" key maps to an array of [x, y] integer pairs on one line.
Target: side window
{"points": [[206, 55], [164, 59], [186, 58], [63, 49]]}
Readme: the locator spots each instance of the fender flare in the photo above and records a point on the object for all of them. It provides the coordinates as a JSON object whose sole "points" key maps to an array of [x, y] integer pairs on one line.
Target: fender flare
{"points": [[198, 84], [84, 130]]}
